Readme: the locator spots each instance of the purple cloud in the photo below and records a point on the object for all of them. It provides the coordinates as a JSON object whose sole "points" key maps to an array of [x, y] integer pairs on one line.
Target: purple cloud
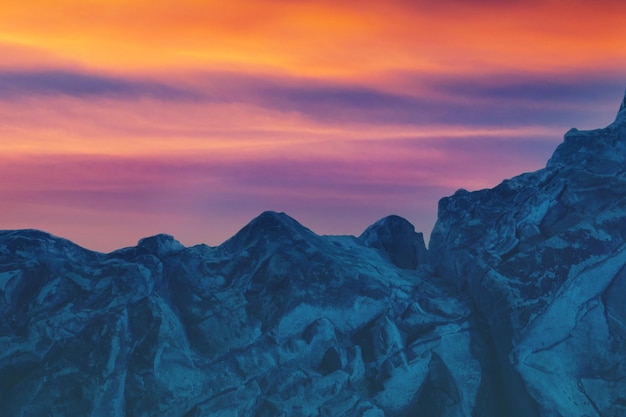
{"points": [[81, 85], [488, 100]]}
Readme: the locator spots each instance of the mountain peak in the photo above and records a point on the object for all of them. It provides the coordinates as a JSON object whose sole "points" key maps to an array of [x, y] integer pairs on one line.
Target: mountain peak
{"points": [[597, 150], [269, 224], [273, 217], [396, 237], [160, 245], [272, 221]]}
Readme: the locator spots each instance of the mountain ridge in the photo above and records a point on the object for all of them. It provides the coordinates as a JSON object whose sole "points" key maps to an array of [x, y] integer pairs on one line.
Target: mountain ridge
{"points": [[514, 310]]}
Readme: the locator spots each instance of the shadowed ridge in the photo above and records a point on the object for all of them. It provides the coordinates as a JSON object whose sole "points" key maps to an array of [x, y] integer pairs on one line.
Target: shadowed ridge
{"points": [[594, 150], [160, 245], [396, 237], [37, 242]]}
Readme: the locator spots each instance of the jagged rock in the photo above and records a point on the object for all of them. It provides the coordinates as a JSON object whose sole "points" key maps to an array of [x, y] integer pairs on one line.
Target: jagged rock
{"points": [[397, 238], [160, 245], [276, 321], [269, 228], [542, 256]]}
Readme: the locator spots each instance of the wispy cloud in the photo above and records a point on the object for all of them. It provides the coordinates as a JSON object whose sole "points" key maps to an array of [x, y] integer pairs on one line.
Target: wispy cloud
{"points": [[84, 85], [499, 99]]}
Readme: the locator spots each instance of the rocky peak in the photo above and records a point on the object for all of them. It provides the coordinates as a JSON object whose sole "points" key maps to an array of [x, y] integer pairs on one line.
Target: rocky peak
{"points": [[269, 225], [272, 221], [602, 151], [397, 238], [160, 245]]}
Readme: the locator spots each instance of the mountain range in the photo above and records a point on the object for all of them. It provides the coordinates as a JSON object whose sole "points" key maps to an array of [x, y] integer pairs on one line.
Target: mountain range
{"points": [[515, 309]]}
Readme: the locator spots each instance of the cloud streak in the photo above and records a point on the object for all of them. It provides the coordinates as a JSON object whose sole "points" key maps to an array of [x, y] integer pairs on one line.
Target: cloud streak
{"points": [[80, 85], [427, 100]]}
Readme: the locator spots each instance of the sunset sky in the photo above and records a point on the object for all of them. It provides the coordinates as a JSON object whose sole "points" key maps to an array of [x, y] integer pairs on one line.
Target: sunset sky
{"points": [[120, 119]]}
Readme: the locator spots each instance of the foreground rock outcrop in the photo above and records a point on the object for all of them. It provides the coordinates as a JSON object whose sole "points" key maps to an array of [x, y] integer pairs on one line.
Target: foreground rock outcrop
{"points": [[543, 257], [516, 310]]}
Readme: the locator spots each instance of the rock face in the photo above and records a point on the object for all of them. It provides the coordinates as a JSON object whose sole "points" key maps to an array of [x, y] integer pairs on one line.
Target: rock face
{"points": [[276, 321], [398, 239], [515, 310], [543, 257]]}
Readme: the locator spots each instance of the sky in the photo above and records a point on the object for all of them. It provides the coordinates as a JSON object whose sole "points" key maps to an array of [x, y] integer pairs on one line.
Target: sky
{"points": [[121, 119]]}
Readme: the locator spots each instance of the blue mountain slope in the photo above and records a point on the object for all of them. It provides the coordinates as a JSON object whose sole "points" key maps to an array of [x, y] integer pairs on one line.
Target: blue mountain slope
{"points": [[276, 320], [543, 257]]}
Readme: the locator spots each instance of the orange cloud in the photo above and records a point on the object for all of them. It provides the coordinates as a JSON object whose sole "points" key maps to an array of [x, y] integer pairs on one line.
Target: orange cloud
{"points": [[319, 38]]}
